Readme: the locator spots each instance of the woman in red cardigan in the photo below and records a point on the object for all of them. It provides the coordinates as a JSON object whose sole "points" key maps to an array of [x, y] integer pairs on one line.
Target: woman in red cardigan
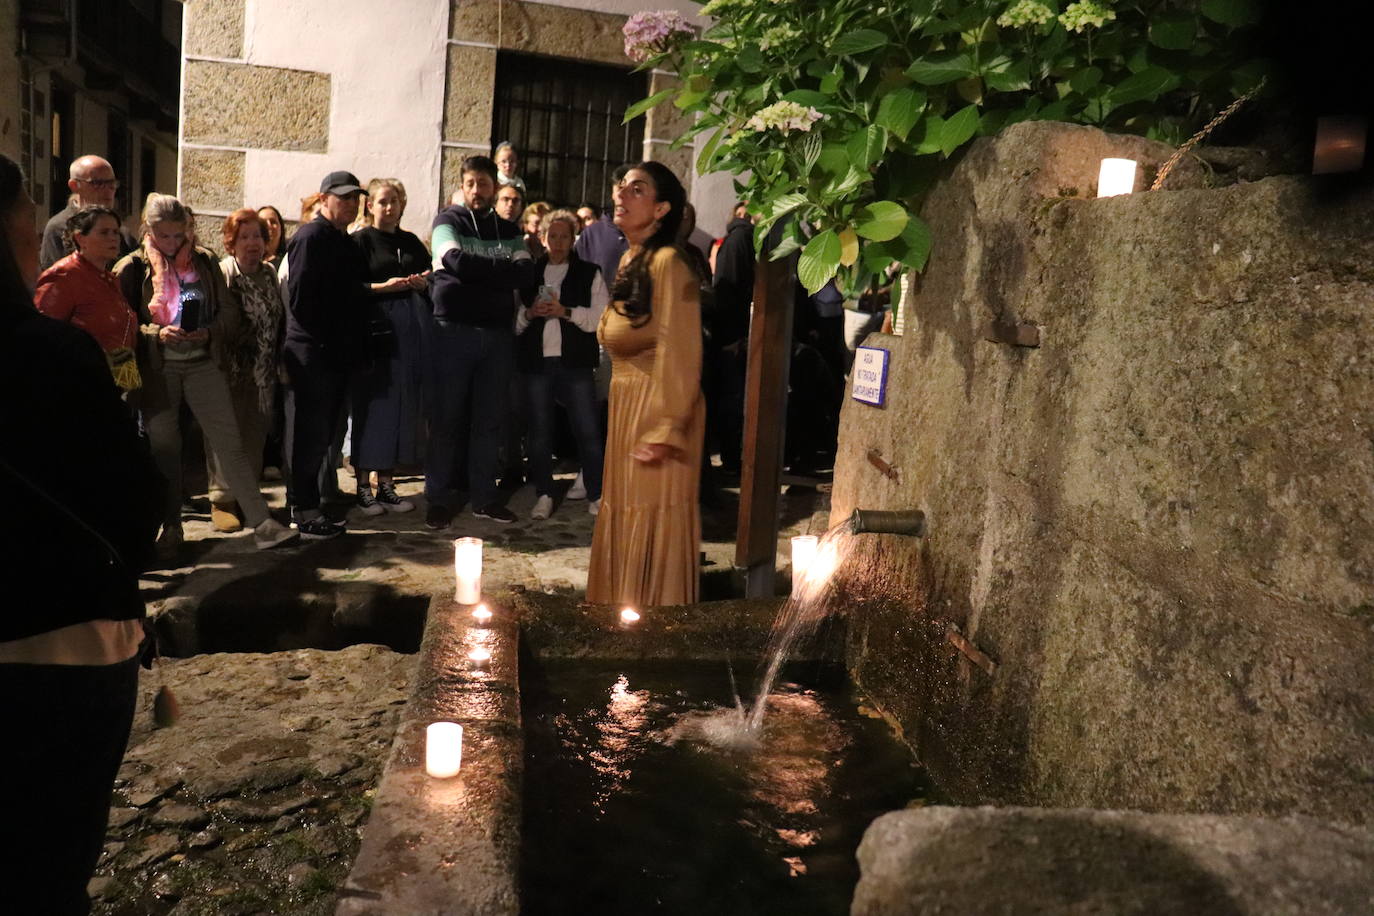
{"points": [[80, 290]]}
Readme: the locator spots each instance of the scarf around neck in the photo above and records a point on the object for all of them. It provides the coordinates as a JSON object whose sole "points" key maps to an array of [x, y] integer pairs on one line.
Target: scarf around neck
{"points": [[165, 306]]}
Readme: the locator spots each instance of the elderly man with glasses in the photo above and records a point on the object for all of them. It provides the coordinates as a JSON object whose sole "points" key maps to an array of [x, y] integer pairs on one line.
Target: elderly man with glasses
{"points": [[93, 184]]}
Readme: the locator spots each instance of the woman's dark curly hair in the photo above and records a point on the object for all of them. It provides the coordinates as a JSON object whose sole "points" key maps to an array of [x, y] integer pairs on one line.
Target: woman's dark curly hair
{"points": [[632, 289], [83, 221]]}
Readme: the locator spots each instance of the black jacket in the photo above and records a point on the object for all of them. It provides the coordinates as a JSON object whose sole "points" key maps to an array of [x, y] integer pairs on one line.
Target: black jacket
{"points": [[580, 349], [82, 491], [326, 295], [734, 284]]}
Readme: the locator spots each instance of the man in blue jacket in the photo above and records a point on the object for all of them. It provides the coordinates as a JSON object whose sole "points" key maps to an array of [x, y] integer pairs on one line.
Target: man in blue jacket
{"points": [[480, 262]]}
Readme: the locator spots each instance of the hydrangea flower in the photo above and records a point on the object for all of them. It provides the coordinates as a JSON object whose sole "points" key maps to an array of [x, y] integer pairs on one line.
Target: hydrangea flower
{"points": [[1078, 17], [654, 32], [1025, 13], [785, 116], [779, 35]]}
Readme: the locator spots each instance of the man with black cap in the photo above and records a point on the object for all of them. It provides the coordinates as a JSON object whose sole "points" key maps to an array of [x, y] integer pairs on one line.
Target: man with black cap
{"points": [[325, 316]]}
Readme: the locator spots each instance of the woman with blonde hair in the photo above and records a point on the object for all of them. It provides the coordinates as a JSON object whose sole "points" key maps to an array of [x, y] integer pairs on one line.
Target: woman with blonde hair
{"points": [[386, 394], [188, 319]]}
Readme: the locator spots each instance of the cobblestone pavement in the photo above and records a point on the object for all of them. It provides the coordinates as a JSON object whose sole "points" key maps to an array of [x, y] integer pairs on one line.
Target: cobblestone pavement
{"points": [[254, 800]]}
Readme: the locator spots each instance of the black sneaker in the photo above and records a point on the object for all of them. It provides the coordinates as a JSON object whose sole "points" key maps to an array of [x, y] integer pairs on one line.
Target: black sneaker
{"points": [[366, 502], [390, 500], [319, 528], [438, 517], [495, 513]]}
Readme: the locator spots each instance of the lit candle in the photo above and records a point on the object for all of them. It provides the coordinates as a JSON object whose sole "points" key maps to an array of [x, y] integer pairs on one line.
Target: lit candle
{"points": [[482, 615], [1117, 176], [1340, 145], [803, 553], [628, 616], [443, 749], [467, 570], [480, 656]]}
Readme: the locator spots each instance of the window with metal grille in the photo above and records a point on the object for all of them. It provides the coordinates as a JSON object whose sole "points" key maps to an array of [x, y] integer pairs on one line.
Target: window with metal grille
{"points": [[564, 118]]}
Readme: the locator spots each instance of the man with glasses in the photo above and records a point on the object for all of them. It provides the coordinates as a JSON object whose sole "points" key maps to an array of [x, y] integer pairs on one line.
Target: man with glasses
{"points": [[93, 184]]}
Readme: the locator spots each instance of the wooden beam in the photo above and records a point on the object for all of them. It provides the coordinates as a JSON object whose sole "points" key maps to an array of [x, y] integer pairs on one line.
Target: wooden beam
{"points": [[765, 413]]}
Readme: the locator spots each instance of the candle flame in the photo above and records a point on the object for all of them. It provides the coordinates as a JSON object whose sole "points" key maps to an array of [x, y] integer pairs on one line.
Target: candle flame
{"points": [[629, 615], [479, 655], [482, 613]]}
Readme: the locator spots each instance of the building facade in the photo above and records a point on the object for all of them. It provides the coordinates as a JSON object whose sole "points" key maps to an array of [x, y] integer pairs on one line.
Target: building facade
{"points": [[96, 77], [277, 94]]}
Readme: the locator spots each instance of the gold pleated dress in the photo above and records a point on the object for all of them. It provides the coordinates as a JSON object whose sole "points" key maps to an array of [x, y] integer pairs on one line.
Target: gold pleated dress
{"points": [[648, 534]]}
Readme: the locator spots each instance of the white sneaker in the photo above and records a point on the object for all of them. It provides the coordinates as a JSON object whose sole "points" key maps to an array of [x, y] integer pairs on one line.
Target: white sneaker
{"points": [[579, 488], [594, 507], [543, 508], [272, 533]]}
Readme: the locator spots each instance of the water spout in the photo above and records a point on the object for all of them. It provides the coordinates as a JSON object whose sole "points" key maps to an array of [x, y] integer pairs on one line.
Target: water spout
{"points": [[910, 522]]}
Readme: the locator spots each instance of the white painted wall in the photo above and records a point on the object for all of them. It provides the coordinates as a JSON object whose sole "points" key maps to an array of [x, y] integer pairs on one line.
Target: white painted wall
{"points": [[387, 64]]}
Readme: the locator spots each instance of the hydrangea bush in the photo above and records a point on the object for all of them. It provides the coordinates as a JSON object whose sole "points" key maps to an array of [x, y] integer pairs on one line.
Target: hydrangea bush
{"points": [[842, 112]]}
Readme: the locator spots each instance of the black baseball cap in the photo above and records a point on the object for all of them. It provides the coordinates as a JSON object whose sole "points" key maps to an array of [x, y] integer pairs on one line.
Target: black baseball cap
{"points": [[340, 184]]}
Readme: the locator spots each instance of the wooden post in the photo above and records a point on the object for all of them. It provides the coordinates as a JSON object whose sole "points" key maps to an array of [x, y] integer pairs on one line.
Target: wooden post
{"points": [[765, 416]]}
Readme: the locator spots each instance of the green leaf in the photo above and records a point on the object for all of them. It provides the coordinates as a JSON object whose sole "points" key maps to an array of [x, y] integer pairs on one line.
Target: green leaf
{"points": [[1085, 79], [708, 152], [819, 260], [1230, 12], [876, 259], [852, 181], [784, 248], [900, 109], [857, 42], [749, 59], [1247, 76], [880, 221], [938, 69], [1173, 31], [866, 147], [833, 160], [643, 105], [962, 125], [810, 150], [927, 137], [1148, 84], [1013, 78], [809, 98], [912, 247], [831, 81], [780, 207]]}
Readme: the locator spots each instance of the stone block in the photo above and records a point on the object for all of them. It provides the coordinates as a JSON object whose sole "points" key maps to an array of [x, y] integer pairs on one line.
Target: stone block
{"points": [[214, 28], [1160, 523], [468, 95], [682, 160], [476, 20], [543, 28], [228, 105], [212, 179], [978, 861], [665, 121]]}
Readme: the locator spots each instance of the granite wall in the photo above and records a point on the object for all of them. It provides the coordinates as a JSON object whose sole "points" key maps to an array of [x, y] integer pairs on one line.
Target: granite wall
{"points": [[1158, 525]]}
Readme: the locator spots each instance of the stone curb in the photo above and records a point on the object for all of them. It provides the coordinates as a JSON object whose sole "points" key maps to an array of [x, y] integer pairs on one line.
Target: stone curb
{"points": [[449, 846]]}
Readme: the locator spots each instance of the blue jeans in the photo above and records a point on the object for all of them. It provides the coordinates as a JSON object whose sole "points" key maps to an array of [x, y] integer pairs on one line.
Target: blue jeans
{"points": [[577, 390], [469, 386]]}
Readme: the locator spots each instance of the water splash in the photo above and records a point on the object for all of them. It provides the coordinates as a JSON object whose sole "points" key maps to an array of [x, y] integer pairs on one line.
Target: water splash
{"points": [[800, 614]]}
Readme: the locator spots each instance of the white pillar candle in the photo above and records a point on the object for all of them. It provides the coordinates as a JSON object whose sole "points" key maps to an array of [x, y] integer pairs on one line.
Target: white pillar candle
{"points": [[443, 749], [467, 570], [628, 616], [1116, 176], [482, 615], [803, 553]]}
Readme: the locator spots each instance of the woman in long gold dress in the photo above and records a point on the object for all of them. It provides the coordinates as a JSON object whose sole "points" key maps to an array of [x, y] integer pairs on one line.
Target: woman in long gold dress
{"points": [[648, 533]]}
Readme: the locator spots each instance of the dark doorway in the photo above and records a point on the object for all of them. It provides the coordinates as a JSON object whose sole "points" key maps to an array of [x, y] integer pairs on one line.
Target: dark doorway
{"points": [[62, 149], [564, 118]]}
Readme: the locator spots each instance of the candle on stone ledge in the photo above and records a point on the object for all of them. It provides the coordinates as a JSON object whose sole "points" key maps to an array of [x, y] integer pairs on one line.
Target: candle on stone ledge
{"points": [[467, 570], [628, 616], [481, 615], [803, 553], [443, 749], [479, 656], [1116, 177]]}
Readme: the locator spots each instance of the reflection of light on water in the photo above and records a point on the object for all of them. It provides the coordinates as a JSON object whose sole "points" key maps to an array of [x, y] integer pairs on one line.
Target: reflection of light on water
{"points": [[819, 569], [621, 730]]}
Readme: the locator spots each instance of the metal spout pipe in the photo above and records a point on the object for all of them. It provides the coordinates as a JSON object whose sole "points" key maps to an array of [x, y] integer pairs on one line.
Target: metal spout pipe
{"points": [[910, 522]]}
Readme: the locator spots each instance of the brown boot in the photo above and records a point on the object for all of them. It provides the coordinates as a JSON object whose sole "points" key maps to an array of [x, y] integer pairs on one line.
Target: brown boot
{"points": [[226, 517]]}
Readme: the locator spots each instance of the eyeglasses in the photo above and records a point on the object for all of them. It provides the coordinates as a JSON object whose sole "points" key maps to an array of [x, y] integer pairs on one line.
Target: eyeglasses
{"points": [[102, 183]]}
